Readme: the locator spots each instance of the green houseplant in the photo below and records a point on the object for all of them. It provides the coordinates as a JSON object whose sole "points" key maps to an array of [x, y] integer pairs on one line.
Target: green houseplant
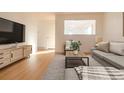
{"points": [[75, 45]]}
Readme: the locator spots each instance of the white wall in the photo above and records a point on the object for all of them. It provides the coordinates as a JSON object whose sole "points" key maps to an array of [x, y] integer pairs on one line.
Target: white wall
{"points": [[87, 41], [46, 34], [29, 21], [113, 27], [31, 30]]}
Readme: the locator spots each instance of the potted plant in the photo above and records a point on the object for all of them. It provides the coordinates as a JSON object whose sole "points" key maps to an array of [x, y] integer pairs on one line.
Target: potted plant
{"points": [[75, 45]]}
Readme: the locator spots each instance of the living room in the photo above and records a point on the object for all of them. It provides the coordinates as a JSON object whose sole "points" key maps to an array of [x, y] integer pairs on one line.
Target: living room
{"points": [[53, 46], [46, 33]]}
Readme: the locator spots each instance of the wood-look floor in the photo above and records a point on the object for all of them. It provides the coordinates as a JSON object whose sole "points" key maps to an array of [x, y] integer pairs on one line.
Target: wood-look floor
{"points": [[32, 68]]}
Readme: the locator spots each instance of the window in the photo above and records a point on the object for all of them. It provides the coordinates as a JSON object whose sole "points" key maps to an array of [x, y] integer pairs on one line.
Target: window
{"points": [[79, 27]]}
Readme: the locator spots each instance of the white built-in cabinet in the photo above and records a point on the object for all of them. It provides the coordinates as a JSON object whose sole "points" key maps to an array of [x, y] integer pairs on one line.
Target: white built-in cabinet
{"points": [[11, 55]]}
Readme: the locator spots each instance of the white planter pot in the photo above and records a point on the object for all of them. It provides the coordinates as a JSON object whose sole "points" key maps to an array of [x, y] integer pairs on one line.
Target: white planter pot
{"points": [[75, 52]]}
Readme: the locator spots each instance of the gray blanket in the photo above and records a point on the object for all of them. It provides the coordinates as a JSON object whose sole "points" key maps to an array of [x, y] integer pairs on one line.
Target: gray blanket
{"points": [[99, 73]]}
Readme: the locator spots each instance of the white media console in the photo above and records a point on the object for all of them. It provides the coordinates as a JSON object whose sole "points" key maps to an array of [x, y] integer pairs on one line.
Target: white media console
{"points": [[9, 55]]}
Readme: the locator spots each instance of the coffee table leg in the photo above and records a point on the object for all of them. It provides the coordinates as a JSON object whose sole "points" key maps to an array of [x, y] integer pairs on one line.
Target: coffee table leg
{"points": [[66, 62], [88, 61]]}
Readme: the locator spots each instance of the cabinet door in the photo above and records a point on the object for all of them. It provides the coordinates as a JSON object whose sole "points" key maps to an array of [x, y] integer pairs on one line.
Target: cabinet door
{"points": [[17, 54], [27, 51], [4, 62], [5, 56]]}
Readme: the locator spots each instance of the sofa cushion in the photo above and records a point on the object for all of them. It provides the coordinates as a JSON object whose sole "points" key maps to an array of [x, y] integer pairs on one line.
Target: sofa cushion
{"points": [[103, 46], [117, 48], [70, 74], [101, 54], [116, 60]]}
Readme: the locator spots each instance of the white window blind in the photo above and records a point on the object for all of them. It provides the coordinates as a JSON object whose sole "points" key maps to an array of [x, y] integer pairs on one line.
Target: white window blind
{"points": [[79, 27]]}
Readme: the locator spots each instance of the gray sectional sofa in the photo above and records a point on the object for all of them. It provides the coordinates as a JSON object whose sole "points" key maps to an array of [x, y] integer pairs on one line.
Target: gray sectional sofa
{"points": [[70, 74], [114, 56], [113, 59]]}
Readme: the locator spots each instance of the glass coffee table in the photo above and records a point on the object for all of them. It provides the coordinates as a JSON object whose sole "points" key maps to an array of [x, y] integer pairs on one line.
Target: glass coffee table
{"points": [[74, 60]]}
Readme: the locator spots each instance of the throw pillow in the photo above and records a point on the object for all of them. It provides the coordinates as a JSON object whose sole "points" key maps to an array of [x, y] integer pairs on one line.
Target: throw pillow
{"points": [[103, 46], [117, 48]]}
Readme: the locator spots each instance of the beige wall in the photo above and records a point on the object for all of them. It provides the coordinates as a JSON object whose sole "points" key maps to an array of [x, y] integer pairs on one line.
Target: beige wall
{"points": [[87, 41], [113, 27]]}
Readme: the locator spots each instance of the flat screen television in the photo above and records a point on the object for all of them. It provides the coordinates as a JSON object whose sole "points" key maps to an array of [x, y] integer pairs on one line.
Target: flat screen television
{"points": [[11, 32]]}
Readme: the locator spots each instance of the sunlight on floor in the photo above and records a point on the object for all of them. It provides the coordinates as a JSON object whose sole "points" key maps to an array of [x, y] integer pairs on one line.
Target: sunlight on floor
{"points": [[45, 52]]}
